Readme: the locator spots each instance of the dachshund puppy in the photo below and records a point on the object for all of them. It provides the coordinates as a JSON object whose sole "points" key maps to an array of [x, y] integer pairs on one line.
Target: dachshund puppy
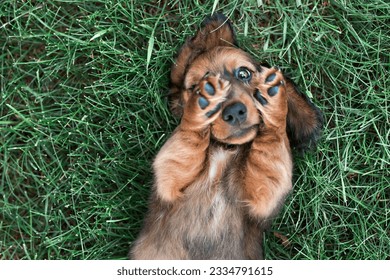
{"points": [[227, 168]]}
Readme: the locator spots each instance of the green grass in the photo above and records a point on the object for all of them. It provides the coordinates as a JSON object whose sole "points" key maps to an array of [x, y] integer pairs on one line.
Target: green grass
{"points": [[83, 113]]}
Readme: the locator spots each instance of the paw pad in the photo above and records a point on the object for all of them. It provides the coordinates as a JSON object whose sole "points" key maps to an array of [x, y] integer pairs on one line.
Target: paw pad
{"points": [[272, 91], [271, 86], [209, 89], [270, 78], [210, 113], [210, 93], [203, 103], [260, 98]]}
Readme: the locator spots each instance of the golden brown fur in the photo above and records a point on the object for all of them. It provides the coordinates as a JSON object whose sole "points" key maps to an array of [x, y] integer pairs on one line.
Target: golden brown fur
{"points": [[227, 168]]}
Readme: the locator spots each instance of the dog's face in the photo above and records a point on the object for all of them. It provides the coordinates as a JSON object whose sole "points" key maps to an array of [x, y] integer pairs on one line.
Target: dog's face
{"points": [[213, 51], [239, 119]]}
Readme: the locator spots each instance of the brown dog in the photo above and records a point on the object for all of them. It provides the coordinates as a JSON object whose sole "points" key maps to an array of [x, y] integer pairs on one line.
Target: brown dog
{"points": [[227, 168]]}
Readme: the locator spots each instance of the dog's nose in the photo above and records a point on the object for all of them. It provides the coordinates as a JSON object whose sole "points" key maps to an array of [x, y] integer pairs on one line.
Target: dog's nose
{"points": [[235, 113]]}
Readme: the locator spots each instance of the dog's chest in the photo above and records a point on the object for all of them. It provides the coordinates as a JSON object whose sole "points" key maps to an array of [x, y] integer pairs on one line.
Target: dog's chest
{"points": [[219, 160], [213, 210], [216, 197], [211, 192]]}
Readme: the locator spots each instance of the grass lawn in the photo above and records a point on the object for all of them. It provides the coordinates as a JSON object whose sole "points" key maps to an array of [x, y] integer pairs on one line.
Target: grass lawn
{"points": [[83, 112]]}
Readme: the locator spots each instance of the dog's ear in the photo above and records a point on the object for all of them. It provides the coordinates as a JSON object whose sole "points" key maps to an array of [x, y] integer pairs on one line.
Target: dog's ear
{"points": [[215, 31], [304, 119]]}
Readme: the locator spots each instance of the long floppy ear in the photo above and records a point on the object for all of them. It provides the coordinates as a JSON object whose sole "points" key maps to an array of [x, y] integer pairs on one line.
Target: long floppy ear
{"points": [[304, 119], [215, 31]]}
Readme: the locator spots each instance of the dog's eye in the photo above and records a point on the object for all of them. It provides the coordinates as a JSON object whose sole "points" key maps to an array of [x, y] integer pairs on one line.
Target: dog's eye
{"points": [[243, 74]]}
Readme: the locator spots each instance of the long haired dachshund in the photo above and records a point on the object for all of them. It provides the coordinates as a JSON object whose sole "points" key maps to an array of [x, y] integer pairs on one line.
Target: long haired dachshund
{"points": [[227, 168]]}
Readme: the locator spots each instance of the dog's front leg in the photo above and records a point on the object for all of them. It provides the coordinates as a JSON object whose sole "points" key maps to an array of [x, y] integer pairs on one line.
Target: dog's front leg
{"points": [[182, 158], [269, 166]]}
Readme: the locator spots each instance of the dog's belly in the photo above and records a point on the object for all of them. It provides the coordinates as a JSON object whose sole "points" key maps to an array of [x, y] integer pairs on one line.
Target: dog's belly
{"points": [[218, 231], [208, 222], [204, 226]]}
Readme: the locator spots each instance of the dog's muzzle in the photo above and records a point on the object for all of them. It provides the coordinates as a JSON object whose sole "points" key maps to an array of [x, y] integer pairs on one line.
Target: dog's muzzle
{"points": [[235, 114]]}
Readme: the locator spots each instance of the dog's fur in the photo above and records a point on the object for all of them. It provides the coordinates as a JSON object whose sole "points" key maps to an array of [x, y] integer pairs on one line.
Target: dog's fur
{"points": [[227, 168]]}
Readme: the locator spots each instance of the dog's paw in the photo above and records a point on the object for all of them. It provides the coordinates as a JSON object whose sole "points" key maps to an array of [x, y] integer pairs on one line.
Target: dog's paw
{"points": [[270, 96], [205, 101]]}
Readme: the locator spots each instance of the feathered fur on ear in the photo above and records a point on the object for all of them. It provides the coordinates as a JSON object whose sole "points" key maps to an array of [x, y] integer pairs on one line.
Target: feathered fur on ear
{"points": [[215, 31], [304, 119]]}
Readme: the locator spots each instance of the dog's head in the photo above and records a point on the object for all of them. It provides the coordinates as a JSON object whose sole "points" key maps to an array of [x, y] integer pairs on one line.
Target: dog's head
{"points": [[214, 50]]}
